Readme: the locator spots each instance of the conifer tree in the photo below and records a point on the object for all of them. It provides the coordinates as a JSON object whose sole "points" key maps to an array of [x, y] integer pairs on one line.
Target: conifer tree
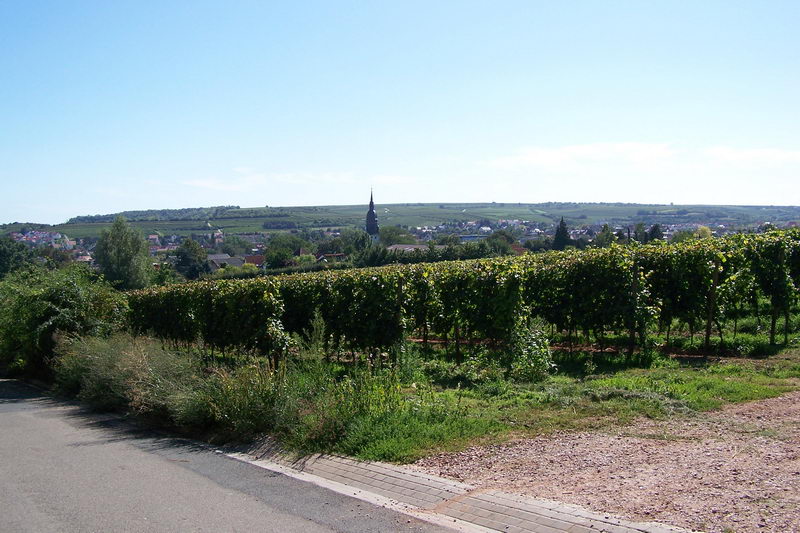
{"points": [[561, 238], [655, 233]]}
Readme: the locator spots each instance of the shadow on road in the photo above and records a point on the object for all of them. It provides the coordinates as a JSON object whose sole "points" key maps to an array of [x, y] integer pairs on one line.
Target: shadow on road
{"points": [[13, 391], [109, 427]]}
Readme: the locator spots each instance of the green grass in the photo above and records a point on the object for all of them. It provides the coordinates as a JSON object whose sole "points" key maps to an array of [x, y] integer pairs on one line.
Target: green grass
{"points": [[406, 436], [697, 389], [751, 340], [312, 406], [577, 402]]}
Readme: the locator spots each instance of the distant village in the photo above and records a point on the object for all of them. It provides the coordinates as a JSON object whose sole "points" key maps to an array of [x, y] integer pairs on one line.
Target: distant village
{"points": [[305, 247]]}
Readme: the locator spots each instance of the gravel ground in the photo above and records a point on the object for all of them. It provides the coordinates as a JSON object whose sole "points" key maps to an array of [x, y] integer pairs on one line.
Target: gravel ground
{"points": [[732, 470]]}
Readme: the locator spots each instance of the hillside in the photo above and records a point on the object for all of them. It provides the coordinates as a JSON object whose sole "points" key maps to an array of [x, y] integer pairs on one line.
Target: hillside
{"points": [[234, 219]]}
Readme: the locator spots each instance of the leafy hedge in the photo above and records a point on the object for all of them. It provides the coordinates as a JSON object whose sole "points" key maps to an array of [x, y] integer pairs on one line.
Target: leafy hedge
{"points": [[224, 314], [38, 304], [632, 289]]}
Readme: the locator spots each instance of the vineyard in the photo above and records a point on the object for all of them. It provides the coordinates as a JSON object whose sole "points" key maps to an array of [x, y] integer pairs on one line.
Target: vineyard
{"points": [[707, 288], [389, 363]]}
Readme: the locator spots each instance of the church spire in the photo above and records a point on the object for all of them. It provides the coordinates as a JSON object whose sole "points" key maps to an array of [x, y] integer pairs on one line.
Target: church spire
{"points": [[372, 218]]}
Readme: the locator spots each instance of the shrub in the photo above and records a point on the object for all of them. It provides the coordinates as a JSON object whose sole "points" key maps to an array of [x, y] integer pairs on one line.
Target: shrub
{"points": [[125, 373], [38, 305], [704, 284], [238, 403]]}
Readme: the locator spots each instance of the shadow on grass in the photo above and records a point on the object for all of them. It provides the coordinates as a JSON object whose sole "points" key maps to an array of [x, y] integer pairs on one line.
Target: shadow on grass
{"points": [[579, 364]]}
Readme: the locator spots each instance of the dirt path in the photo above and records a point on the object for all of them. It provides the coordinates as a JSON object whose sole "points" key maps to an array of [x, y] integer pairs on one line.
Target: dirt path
{"points": [[737, 469]]}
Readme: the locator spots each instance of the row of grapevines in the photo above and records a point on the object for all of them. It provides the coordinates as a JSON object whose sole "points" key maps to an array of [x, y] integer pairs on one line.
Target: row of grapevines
{"points": [[224, 314], [628, 289]]}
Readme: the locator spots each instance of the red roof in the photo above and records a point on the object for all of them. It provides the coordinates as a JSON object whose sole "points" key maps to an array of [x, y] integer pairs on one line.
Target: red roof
{"points": [[519, 250], [256, 260]]}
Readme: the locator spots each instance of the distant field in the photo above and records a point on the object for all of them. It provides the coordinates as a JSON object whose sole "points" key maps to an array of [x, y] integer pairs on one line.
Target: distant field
{"points": [[245, 220]]}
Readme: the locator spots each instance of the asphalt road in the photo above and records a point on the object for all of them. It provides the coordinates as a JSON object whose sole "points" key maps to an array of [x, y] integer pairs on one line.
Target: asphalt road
{"points": [[63, 469]]}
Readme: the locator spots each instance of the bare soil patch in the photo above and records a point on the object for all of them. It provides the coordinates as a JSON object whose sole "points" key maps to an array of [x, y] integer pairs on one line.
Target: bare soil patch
{"points": [[732, 470]]}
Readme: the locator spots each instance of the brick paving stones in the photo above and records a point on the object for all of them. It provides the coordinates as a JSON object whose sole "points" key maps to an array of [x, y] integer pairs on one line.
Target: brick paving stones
{"points": [[487, 510]]}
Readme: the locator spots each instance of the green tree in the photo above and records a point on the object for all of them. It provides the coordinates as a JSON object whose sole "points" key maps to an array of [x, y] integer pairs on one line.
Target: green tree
{"points": [[539, 245], [165, 274], [682, 236], [191, 259], [54, 256], [395, 235], [38, 303], [331, 246], [306, 259], [702, 232], [505, 235], [375, 255], [282, 249], [235, 245], [604, 238], [448, 240], [289, 242], [500, 242], [277, 257], [247, 270], [13, 255], [123, 256], [640, 234], [354, 240], [561, 238], [655, 233]]}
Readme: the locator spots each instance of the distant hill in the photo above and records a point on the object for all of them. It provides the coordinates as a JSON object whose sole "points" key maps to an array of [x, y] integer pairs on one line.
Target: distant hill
{"points": [[235, 219], [150, 215]]}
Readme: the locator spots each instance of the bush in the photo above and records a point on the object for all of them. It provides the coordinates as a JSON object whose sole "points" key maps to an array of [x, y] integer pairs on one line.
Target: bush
{"points": [[235, 272], [126, 373], [237, 404], [620, 289], [38, 305], [89, 370]]}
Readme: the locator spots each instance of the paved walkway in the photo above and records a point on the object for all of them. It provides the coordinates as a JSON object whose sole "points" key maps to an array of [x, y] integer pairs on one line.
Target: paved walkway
{"points": [[88, 449], [64, 469], [444, 501]]}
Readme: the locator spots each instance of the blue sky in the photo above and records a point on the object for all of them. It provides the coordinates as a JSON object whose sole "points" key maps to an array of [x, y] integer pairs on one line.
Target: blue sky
{"points": [[108, 106]]}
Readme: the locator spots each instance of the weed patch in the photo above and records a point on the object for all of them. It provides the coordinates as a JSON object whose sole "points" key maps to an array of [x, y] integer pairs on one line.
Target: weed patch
{"points": [[399, 415], [309, 405]]}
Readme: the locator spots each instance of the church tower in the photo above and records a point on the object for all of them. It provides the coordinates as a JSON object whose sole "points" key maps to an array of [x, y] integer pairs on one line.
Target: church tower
{"points": [[372, 219]]}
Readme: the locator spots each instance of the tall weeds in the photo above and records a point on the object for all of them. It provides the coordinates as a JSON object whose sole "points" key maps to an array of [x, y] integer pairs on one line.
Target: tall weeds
{"points": [[308, 404]]}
